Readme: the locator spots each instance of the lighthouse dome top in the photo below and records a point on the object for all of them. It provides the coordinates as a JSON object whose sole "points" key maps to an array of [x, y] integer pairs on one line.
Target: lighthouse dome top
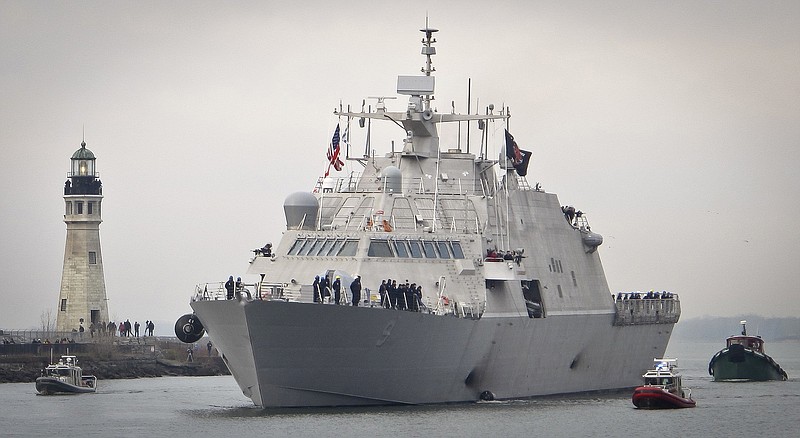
{"points": [[83, 153]]}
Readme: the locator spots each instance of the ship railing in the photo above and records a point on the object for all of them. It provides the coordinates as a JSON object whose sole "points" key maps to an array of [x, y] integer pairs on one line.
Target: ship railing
{"points": [[647, 311], [264, 290], [355, 182], [275, 291], [216, 291]]}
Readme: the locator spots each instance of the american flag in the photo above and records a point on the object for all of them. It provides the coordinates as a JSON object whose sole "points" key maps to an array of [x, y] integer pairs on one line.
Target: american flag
{"points": [[333, 151]]}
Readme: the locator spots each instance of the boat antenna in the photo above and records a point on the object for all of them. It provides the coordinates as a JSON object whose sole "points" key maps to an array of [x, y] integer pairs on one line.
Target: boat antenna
{"points": [[428, 50], [469, 106], [744, 327]]}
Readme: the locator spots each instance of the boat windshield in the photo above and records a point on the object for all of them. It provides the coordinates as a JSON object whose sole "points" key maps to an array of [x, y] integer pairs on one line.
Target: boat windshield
{"points": [[658, 381]]}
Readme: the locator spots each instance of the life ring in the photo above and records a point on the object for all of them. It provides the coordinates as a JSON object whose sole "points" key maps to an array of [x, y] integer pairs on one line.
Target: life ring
{"points": [[445, 300]]}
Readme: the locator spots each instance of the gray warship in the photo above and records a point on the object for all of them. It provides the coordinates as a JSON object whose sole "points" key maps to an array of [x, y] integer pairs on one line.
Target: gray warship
{"points": [[514, 300]]}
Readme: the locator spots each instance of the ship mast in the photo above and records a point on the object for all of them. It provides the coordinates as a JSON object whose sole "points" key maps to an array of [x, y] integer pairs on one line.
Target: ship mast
{"points": [[428, 50]]}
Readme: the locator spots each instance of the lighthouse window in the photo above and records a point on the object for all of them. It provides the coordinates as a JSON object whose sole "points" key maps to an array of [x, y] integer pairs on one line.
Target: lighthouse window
{"points": [[379, 248], [457, 252], [89, 207], [63, 304], [92, 258], [69, 207], [400, 249], [349, 248], [444, 252], [79, 207], [416, 251], [430, 252]]}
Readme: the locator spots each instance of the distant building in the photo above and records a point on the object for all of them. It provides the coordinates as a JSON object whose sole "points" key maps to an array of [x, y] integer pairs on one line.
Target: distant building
{"points": [[82, 300]]}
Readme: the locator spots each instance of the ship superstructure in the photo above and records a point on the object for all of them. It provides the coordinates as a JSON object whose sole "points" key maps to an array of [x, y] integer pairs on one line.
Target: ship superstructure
{"points": [[514, 301]]}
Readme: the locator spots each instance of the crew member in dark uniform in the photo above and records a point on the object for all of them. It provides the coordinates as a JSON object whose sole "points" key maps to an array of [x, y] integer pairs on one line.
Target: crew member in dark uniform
{"points": [[392, 290], [317, 290], [337, 290], [355, 290], [382, 293], [229, 285], [325, 287]]}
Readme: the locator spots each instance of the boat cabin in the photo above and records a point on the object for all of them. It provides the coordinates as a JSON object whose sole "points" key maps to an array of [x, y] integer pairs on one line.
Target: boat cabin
{"points": [[662, 376], [65, 370], [754, 343]]}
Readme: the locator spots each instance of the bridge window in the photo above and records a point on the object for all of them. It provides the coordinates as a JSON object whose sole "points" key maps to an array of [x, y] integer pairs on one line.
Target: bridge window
{"points": [[69, 207], [348, 248], [78, 207], [296, 247], [400, 248], [427, 247], [92, 258], [335, 248], [416, 250], [90, 207], [323, 250], [444, 252], [63, 304], [379, 248], [457, 252], [308, 249]]}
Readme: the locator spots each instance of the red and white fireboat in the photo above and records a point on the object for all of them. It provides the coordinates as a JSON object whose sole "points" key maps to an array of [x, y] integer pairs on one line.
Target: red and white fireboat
{"points": [[662, 388]]}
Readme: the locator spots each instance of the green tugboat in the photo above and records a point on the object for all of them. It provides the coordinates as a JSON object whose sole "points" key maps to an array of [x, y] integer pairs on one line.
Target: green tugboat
{"points": [[744, 359]]}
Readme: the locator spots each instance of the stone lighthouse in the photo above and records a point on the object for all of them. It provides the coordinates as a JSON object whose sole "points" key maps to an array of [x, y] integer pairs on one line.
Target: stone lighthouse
{"points": [[82, 300]]}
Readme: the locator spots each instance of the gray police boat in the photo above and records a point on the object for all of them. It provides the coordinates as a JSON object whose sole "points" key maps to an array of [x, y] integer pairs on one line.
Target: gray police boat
{"points": [[514, 302]]}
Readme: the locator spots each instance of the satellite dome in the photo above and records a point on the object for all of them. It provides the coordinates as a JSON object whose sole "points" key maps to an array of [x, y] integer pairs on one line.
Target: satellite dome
{"points": [[392, 179], [301, 210]]}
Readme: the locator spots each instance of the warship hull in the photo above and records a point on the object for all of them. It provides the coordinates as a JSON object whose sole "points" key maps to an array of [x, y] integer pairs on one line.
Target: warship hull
{"points": [[291, 354]]}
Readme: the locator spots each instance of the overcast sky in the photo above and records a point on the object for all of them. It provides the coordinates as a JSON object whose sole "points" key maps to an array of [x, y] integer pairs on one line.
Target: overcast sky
{"points": [[675, 125]]}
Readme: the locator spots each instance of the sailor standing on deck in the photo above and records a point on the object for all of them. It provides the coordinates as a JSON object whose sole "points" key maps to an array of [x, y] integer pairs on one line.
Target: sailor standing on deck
{"points": [[325, 288], [337, 289], [382, 293], [229, 285], [355, 289], [239, 286], [317, 290]]}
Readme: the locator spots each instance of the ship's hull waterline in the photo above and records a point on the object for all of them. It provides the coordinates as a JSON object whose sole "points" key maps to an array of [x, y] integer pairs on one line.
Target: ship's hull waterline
{"points": [[288, 354]]}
